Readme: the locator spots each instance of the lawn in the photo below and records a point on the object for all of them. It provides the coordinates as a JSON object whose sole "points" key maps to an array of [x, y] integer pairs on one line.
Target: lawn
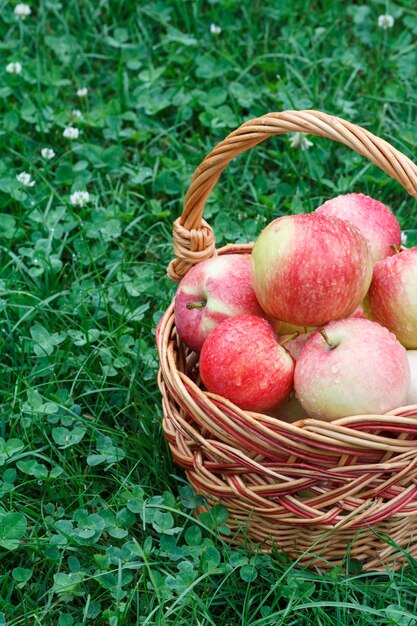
{"points": [[107, 107]]}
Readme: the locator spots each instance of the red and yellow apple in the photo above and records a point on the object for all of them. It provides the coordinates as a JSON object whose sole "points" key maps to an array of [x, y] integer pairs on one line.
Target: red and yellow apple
{"points": [[242, 361], [351, 367], [310, 269], [373, 218], [392, 296], [211, 292]]}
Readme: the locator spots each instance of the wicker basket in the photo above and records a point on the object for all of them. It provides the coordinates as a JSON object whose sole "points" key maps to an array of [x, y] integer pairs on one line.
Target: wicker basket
{"points": [[313, 489]]}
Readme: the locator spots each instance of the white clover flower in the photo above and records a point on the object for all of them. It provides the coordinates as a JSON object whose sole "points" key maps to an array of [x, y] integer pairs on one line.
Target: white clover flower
{"points": [[14, 68], [299, 140], [22, 10], [403, 238], [47, 154], [82, 92], [79, 198], [25, 179], [385, 21], [215, 29], [71, 133], [76, 114]]}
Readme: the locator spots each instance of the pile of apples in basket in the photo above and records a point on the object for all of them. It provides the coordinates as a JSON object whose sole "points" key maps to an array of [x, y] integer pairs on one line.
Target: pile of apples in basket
{"points": [[320, 321]]}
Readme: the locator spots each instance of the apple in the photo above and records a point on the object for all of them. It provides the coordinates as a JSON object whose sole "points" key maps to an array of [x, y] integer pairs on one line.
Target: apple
{"points": [[211, 292], [392, 296], [310, 269], [374, 220], [412, 390], [351, 367], [242, 361]]}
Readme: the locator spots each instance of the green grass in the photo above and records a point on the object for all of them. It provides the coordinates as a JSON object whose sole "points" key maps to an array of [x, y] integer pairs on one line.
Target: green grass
{"points": [[96, 523]]}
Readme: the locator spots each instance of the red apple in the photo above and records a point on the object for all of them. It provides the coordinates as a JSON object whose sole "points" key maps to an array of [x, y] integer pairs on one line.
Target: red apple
{"points": [[374, 220], [392, 296], [310, 269], [412, 390], [211, 292], [242, 361], [355, 367]]}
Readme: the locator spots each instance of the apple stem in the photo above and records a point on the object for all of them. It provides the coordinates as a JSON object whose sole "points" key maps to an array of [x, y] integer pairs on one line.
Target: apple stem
{"points": [[395, 248], [195, 305], [289, 338], [326, 339]]}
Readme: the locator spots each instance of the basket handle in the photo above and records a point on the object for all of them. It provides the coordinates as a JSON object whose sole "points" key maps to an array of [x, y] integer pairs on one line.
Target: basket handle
{"points": [[193, 237]]}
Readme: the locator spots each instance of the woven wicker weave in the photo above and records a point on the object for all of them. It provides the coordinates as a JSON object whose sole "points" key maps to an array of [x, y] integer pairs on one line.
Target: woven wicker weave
{"points": [[310, 485]]}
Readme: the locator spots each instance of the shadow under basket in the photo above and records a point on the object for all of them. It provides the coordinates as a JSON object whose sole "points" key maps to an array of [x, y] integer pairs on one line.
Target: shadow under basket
{"points": [[311, 489]]}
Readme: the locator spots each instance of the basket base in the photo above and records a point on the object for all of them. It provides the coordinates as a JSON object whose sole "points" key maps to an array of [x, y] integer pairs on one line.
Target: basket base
{"points": [[387, 546]]}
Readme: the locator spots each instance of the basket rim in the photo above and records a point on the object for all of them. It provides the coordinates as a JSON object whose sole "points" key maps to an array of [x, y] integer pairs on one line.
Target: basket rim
{"points": [[193, 237]]}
